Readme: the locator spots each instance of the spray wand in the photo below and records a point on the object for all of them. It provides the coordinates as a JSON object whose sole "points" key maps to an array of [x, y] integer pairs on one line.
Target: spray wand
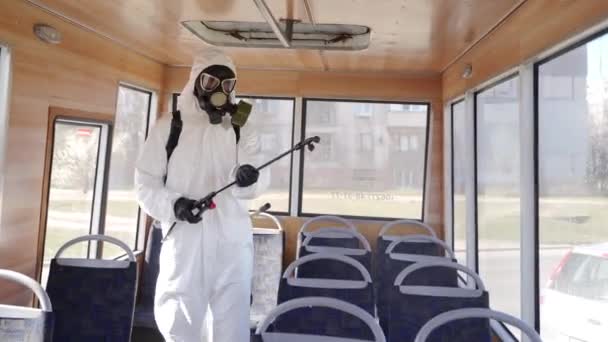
{"points": [[207, 203]]}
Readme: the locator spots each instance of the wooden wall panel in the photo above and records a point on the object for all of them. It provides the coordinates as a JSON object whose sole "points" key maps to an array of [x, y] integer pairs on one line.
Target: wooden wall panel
{"points": [[380, 86], [534, 27], [83, 73], [434, 203]]}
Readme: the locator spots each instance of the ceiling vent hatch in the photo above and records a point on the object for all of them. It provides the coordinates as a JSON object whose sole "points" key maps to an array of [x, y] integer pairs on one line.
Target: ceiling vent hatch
{"points": [[285, 34]]}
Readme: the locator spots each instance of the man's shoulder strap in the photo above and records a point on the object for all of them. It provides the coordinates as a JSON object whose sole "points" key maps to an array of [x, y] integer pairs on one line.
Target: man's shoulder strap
{"points": [[237, 133], [176, 130]]}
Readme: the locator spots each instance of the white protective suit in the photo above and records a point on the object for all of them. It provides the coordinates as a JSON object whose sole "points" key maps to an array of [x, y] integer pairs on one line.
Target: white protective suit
{"points": [[209, 263]]}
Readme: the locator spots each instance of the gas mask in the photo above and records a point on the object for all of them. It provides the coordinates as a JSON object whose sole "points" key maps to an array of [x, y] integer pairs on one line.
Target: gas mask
{"points": [[213, 88]]}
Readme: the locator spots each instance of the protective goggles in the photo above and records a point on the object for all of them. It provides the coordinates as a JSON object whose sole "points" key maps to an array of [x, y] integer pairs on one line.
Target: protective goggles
{"points": [[210, 83]]}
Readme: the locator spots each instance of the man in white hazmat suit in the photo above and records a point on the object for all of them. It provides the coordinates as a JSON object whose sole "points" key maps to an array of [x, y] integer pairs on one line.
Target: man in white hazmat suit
{"points": [[207, 260]]}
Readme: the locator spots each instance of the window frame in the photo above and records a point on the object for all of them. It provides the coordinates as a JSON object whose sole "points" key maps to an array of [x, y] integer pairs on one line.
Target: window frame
{"points": [[300, 201], [493, 83], [499, 328], [5, 101], [561, 51], [175, 96], [291, 157], [453, 228], [141, 221], [529, 166], [98, 206]]}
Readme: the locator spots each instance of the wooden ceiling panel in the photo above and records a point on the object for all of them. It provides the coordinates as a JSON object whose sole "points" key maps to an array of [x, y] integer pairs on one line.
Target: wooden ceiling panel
{"points": [[391, 61], [273, 59], [412, 36]]}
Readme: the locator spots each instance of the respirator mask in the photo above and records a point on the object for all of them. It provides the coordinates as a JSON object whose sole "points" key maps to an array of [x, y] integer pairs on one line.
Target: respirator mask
{"points": [[213, 89]]}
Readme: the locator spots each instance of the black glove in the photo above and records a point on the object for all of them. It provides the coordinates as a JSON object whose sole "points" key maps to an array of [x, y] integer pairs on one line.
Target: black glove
{"points": [[183, 210], [246, 175]]}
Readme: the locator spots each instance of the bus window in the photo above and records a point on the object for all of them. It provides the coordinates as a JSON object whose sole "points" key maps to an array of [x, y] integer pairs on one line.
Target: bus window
{"points": [[123, 217], [573, 188], [74, 189], [498, 193], [370, 162], [272, 119]]}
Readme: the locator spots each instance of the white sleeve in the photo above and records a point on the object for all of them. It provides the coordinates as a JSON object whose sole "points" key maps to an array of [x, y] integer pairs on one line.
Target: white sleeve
{"points": [[250, 152], [151, 167]]}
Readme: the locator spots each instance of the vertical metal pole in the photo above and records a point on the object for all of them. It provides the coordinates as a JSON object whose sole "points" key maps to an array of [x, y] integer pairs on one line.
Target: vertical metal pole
{"points": [[528, 195]]}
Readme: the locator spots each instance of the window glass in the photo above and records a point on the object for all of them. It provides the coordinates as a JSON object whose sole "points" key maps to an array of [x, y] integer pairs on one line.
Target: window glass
{"points": [[573, 191], [414, 142], [366, 141], [129, 134], [397, 107], [416, 108], [458, 183], [273, 121], [364, 109], [382, 178], [404, 143], [71, 190], [498, 194]]}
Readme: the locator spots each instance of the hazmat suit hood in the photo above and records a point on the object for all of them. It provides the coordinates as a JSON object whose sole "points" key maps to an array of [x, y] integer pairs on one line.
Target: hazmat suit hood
{"points": [[188, 103]]}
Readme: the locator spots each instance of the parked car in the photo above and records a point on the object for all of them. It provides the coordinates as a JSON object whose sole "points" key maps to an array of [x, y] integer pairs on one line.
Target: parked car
{"points": [[574, 303]]}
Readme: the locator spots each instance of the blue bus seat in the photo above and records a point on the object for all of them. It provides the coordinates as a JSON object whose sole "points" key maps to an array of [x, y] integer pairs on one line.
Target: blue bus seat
{"points": [[441, 325], [93, 300], [318, 319], [358, 292], [331, 269], [415, 247], [393, 263], [412, 306], [331, 239]]}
